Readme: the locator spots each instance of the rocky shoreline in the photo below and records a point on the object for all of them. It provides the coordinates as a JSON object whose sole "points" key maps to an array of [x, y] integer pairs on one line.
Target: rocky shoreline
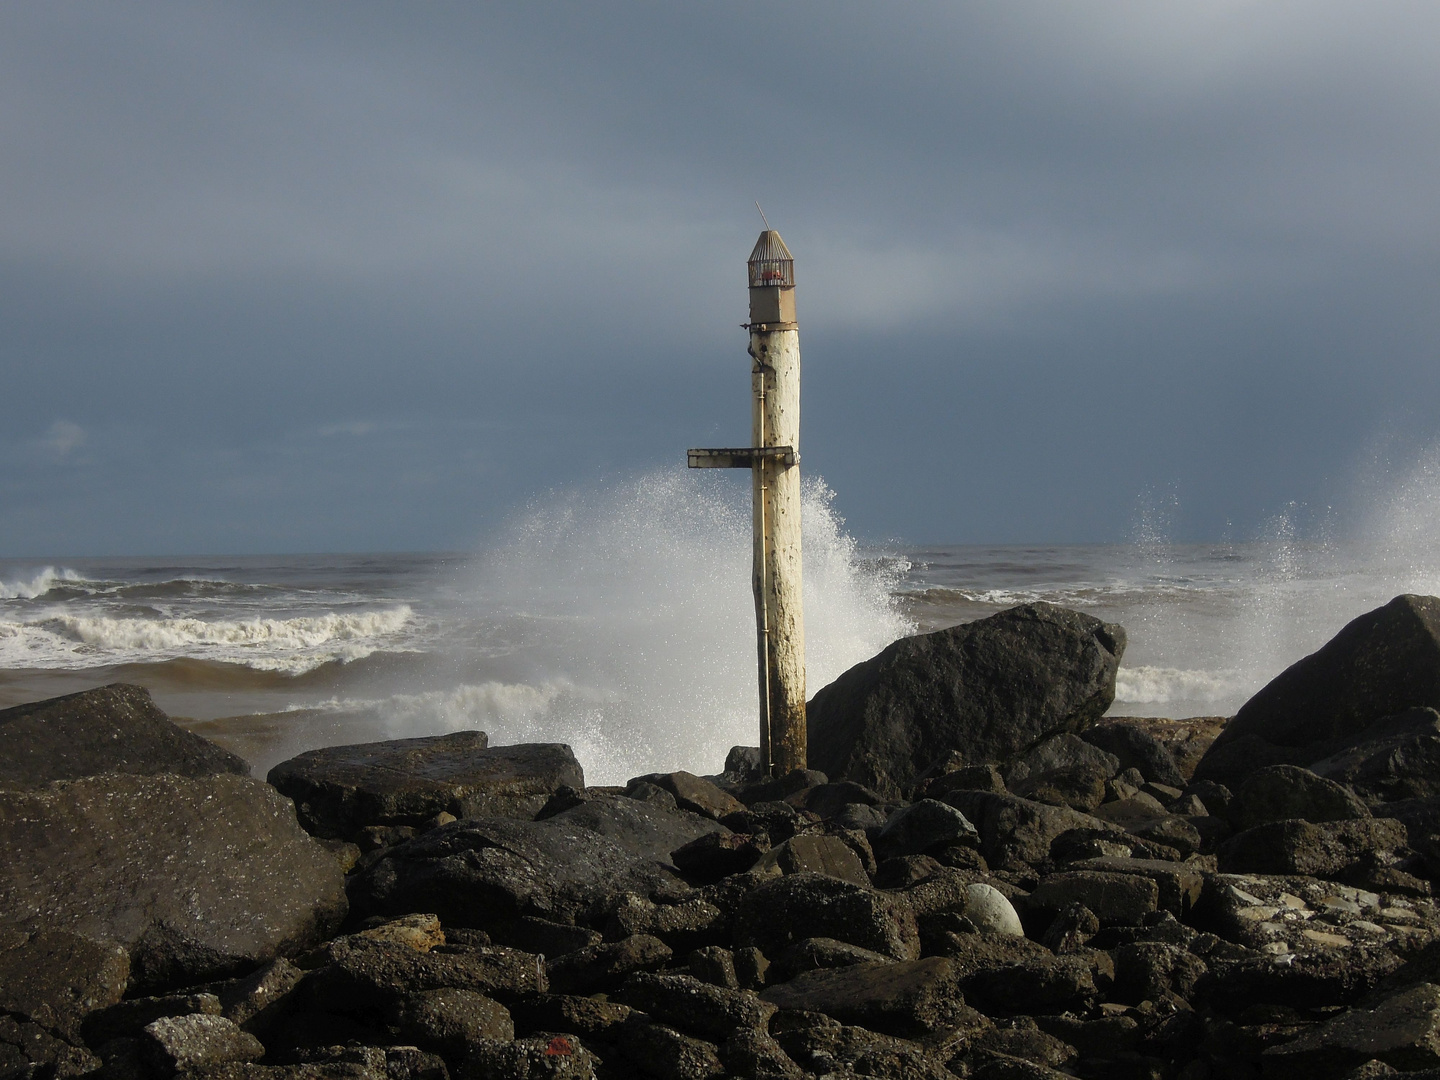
{"points": [[981, 877]]}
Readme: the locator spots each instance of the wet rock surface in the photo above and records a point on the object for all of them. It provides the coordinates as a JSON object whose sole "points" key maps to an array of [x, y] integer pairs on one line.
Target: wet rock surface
{"points": [[1083, 901]]}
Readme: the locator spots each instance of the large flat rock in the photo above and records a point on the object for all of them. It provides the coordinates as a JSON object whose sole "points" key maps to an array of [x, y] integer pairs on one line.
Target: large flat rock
{"points": [[478, 871], [991, 689], [113, 729], [195, 877], [340, 789]]}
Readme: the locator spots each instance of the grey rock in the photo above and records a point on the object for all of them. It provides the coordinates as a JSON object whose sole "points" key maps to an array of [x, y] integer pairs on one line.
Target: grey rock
{"points": [[966, 778], [591, 1018], [1135, 748], [477, 871], [1179, 885], [1150, 970], [1327, 850], [924, 826], [339, 789], [127, 1019], [1014, 830], [813, 853], [254, 1001], [547, 1056], [695, 793], [603, 966], [908, 998], [363, 975], [691, 924], [1403, 1032], [113, 729], [714, 965], [815, 953], [825, 1047], [533, 935], [989, 911], [1117, 899], [990, 689], [56, 978], [1007, 974], [786, 910], [1281, 792], [449, 1022], [644, 830], [695, 1007], [1378, 665], [152, 863], [830, 800], [665, 1054], [749, 1054], [184, 1043], [1065, 751], [1397, 757], [716, 855]]}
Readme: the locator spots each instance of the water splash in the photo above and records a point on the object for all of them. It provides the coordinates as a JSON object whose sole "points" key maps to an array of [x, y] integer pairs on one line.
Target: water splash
{"points": [[628, 612]]}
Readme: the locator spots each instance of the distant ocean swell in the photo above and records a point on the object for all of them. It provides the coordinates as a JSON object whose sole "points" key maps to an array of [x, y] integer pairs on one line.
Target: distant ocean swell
{"points": [[294, 645]]}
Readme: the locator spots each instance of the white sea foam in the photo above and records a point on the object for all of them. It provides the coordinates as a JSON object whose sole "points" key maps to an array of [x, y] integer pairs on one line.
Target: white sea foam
{"points": [[294, 645], [1149, 685], [37, 586], [632, 606]]}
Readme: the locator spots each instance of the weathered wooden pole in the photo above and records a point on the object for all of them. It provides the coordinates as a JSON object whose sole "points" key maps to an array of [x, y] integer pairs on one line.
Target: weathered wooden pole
{"points": [[774, 460]]}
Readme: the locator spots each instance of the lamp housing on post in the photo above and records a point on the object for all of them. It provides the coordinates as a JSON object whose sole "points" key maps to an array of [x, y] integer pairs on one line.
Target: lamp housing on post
{"points": [[772, 283]]}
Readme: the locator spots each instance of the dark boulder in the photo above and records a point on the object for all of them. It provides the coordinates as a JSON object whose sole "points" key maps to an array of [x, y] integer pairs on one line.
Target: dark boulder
{"points": [[991, 689], [478, 871], [1003, 973], [187, 1043], [1397, 757], [927, 825], [340, 789], [1327, 849], [56, 978], [646, 831], [695, 1007], [1380, 664], [604, 966], [113, 729], [909, 998], [1403, 1032], [1116, 898], [718, 855], [790, 909], [1136, 748], [371, 977], [694, 793], [449, 1022], [1282, 792], [812, 853], [1014, 830], [195, 877]]}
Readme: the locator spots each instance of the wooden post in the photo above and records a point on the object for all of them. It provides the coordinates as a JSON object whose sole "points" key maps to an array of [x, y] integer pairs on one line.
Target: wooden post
{"points": [[774, 460], [775, 422]]}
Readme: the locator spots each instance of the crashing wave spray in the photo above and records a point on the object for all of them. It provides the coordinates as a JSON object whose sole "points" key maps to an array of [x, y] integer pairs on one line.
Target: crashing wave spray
{"points": [[629, 611], [1286, 595]]}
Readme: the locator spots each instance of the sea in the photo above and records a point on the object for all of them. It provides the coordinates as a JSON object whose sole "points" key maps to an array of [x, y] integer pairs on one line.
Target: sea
{"points": [[619, 620]]}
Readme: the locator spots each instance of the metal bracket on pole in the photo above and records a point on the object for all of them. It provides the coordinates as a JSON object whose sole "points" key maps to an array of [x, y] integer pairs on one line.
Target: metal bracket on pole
{"points": [[742, 457]]}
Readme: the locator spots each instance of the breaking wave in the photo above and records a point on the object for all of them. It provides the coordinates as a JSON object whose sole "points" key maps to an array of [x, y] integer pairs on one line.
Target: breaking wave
{"points": [[293, 645]]}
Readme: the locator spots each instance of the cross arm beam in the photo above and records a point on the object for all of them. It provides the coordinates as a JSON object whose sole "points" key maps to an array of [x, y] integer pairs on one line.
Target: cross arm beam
{"points": [[742, 457]]}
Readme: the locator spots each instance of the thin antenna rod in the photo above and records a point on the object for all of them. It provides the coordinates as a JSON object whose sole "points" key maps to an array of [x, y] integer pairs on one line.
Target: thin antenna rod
{"points": [[762, 216]]}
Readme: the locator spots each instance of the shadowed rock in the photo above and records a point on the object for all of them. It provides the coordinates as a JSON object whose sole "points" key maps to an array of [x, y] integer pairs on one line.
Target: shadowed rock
{"points": [[113, 729], [990, 689], [1384, 662], [340, 789], [908, 998]]}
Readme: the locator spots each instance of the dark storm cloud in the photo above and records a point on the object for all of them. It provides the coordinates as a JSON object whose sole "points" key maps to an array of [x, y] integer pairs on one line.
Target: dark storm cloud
{"points": [[360, 275]]}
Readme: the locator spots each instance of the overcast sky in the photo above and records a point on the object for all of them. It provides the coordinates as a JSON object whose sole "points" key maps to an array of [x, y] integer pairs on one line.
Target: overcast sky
{"points": [[356, 276]]}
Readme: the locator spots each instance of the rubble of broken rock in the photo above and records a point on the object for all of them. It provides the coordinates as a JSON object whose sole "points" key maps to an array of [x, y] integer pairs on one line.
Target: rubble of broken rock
{"points": [[1043, 892]]}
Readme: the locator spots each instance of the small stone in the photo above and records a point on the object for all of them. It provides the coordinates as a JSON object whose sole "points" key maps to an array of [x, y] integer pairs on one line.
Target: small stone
{"points": [[179, 1043]]}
